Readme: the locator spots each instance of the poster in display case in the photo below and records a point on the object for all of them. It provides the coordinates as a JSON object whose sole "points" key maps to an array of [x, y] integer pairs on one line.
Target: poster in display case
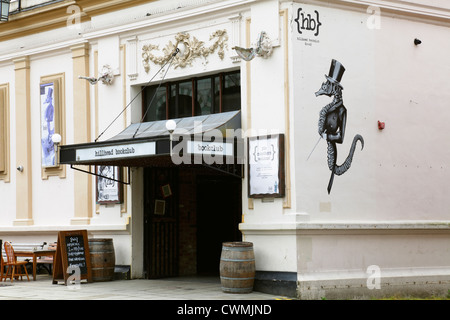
{"points": [[266, 166]]}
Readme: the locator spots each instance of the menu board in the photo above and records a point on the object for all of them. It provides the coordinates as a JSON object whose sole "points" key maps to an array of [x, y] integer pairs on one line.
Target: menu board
{"points": [[72, 253], [76, 256]]}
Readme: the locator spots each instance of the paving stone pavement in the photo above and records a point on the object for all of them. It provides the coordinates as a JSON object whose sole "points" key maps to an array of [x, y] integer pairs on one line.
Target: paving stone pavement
{"points": [[191, 288]]}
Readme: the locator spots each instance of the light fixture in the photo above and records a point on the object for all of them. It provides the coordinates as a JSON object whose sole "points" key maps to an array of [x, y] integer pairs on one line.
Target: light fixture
{"points": [[106, 76], [417, 41], [263, 48], [4, 10], [56, 139], [171, 125]]}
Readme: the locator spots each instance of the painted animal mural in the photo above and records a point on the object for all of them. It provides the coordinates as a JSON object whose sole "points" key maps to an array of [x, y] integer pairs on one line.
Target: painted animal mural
{"points": [[333, 120]]}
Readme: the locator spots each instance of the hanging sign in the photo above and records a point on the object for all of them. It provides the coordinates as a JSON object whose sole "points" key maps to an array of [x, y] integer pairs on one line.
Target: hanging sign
{"points": [[210, 148], [266, 166]]}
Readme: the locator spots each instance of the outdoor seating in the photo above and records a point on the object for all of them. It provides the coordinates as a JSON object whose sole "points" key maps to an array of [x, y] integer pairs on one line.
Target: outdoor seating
{"points": [[12, 265]]}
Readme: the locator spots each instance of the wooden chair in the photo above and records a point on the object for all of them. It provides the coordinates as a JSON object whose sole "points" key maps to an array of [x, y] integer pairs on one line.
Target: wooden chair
{"points": [[12, 263], [2, 266]]}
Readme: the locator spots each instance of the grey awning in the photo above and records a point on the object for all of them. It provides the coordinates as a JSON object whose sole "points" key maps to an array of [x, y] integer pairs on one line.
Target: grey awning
{"points": [[148, 143]]}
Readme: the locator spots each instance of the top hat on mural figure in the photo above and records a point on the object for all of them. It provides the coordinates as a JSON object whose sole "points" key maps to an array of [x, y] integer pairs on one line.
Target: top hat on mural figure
{"points": [[336, 72]]}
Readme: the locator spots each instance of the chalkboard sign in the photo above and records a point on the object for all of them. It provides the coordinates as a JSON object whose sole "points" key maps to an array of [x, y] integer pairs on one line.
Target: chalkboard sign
{"points": [[76, 257], [72, 257]]}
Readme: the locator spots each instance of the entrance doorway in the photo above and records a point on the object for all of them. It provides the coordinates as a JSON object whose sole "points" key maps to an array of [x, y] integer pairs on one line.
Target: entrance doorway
{"points": [[201, 211], [218, 217], [160, 222]]}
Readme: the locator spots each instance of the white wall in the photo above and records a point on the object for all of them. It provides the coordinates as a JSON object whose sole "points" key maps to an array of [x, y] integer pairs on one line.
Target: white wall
{"points": [[401, 174], [390, 209]]}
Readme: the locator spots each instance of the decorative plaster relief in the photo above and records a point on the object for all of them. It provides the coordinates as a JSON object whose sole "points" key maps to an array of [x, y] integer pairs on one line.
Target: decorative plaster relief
{"points": [[190, 49]]}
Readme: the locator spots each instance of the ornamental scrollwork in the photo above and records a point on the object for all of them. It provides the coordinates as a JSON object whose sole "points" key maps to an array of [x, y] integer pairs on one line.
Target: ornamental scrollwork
{"points": [[191, 49]]}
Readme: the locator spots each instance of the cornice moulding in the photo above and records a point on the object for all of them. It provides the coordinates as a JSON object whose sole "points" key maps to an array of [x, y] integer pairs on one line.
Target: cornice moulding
{"points": [[164, 18], [419, 8], [55, 15]]}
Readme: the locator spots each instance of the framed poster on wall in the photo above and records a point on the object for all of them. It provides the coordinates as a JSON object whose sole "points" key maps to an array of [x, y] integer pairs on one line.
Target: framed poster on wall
{"points": [[108, 190], [49, 122], [52, 121], [266, 166]]}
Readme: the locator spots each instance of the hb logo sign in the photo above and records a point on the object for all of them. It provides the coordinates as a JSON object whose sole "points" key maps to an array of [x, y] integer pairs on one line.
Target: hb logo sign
{"points": [[307, 22]]}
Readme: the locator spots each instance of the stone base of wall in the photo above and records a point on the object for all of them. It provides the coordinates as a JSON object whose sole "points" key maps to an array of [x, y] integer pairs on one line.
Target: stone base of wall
{"points": [[358, 289]]}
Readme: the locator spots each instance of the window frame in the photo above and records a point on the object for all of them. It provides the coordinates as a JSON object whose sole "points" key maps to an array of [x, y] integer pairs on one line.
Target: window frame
{"points": [[58, 81], [169, 114]]}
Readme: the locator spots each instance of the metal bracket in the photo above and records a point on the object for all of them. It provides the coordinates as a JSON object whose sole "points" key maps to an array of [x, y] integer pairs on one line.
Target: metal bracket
{"points": [[99, 175]]}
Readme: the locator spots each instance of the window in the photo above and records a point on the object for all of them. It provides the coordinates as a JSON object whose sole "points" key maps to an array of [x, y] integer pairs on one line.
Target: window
{"points": [[193, 97]]}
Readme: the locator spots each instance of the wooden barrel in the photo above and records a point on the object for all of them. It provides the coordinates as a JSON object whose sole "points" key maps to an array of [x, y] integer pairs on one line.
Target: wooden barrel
{"points": [[103, 259], [237, 267]]}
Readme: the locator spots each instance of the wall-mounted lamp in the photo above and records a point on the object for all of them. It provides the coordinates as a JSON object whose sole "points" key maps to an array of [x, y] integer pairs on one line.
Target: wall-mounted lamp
{"points": [[381, 125], [263, 48], [106, 76], [20, 168], [417, 41], [4, 10], [171, 125], [56, 139]]}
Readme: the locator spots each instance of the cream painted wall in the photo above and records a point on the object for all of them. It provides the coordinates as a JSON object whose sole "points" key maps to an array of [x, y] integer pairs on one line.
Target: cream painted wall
{"points": [[7, 190], [52, 198], [269, 224], [399, 176]]}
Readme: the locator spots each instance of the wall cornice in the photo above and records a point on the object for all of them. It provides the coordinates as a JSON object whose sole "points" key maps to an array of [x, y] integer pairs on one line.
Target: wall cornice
{"points": [[55, 15], [438, 11]]}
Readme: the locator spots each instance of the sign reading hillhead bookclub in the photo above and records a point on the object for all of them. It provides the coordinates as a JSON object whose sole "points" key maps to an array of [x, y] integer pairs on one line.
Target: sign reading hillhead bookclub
{"points": [[116, 152]]}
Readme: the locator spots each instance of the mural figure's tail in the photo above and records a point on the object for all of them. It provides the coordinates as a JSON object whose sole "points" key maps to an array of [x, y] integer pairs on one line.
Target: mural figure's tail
{"points": [[332, 155]]}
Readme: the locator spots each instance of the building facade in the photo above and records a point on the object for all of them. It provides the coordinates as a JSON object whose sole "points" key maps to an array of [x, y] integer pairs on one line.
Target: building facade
{"points": [[338, 172]]}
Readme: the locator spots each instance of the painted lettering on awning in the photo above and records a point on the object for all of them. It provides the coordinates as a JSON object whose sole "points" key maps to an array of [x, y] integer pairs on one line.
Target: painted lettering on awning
{"points": [[116, 152]]}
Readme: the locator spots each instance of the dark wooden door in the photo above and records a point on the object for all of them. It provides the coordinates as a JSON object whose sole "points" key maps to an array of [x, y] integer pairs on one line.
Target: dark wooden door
{"points": [[160, 222]]}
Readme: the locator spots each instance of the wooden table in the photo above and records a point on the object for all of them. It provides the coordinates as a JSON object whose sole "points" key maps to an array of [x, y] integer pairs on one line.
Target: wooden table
{"points": [[34, 254]]}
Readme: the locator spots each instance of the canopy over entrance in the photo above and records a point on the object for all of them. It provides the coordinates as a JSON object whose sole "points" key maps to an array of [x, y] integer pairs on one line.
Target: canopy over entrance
{"points": [[149, 143]]}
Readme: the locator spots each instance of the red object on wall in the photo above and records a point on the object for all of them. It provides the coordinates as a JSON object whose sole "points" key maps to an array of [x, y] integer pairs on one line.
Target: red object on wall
{"points": [[381, 125]]}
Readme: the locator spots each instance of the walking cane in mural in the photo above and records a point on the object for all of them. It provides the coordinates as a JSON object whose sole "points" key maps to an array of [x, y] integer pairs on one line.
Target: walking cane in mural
{"points": [[333, 119]]}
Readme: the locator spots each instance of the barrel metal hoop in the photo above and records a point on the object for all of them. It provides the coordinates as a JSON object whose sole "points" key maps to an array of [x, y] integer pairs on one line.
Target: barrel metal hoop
{"points": [[237, 248], [237, 260], [227, 278]]}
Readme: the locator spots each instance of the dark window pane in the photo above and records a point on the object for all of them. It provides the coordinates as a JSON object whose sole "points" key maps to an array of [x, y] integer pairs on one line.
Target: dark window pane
{"points": [[231, 92], [204, 97], [184, 104], [216, 94], [155, 104], [173, 102]]}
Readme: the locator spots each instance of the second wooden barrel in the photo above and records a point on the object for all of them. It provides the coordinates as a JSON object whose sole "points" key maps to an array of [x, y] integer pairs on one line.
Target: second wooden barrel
{"points": [[103, 259], [237, 267]]}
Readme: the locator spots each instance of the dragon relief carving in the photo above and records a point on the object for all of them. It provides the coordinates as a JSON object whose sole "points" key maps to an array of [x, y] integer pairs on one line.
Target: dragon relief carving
{"points": [[193, 49]]}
